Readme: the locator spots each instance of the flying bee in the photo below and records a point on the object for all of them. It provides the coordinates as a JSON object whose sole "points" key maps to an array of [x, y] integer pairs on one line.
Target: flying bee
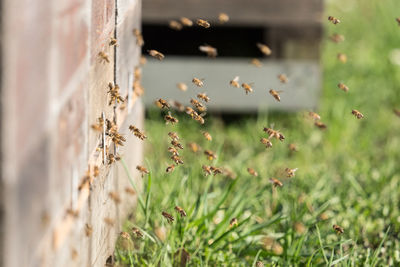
{"points": [[113, 42], [88, 230], [398, 20], [333, 20], [207, 170], [190, 112], [275, 182], [198, 82], [320, 125], [154, 53], [292, 147], [136, 232], [186, 22], [264, 49], [125, 235], [200, 107], [173, 151], [314, 116], [139, 37], [209, 50], [177, 159], [161, 103], [137, 132], [104, 57], [175, 25], [252, 172], [343, 87], [198, 118], [357, 113], [203, 23], [210, 154], [182, 86], [283, 78], [194, 147], [339, 230], [256, 62], [235, 82], [99, 125], [233, 222], [176, 144], [170, 168], [290, 172], [173, 136], [274, 133], [247, 88], [178, 106], [203, 97], [115, 196], [223, 18], [396, 112], [168, 216], [215, 170], [181, 211], [142, 170], [337, 38], [208, 136], [266, 142], [342, 57], [275, 94]]}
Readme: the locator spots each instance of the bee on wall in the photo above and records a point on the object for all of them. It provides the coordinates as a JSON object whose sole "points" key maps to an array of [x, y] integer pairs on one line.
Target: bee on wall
{"points": [[115, 197], [357, 114], [113, 91], [198, 82], [168, 216], [186, 22], [104, 57], [223, 18], [264, 49], [209, 50], [139, 37], [235, 82], [275, 94], [113, 42], [88, 230], [333, 20], [180, 211], [109, 221], [203, 23], [98, 127], [113, 158], [154, 53]]}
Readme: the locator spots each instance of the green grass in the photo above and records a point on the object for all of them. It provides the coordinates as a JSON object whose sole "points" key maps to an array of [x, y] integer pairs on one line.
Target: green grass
{"points": [[348, 174]]}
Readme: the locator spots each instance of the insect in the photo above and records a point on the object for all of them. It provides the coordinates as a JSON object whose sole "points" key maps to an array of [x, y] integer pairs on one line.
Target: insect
{"points": [[186, 22], [130, 191], [203, 97], [203, 23], [266, 142], [194, 147], [223, 17], [113, 90], [215, 170], [396, 112], [104, 57], [113, 158], [169, 119], [206, 169], [200, 107], [175, 25], [233, 222], [252, 171], [156, 54], [170, 168], [256, 62], [181, 211], [247, 88], [292, 147], [96, 171], [333, 20], [113, 41], [115, 196], [177, 159], [339, 230], [88, 230], [342, 57], [142, 170], [357, 113], [235, 82], [173, 151], [314, 116], [168, 216], [264, 49], [137, 232], [343, 87], [137, 132], [275, 182], [320, 125], [209, 50], [182, 86], [274, 133], [161, 103], [208, 136], [210, 154], [176, 144], [125, 235], [283, 78], [99, 125], [109, 221], [178, 106], [173, 136], [139, 37], [290, 172], [275, 94], [198, 82], [337, 38]]}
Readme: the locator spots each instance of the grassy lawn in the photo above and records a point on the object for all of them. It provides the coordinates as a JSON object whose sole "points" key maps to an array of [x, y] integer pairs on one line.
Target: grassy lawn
{"points": [[348, 174]]}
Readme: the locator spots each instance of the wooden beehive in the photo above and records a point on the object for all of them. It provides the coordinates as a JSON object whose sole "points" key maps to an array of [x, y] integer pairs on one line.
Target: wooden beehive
{"points": [[291, 28]]}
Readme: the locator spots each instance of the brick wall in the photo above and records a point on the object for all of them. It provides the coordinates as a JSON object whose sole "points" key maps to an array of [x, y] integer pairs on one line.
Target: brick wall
{"points": [[53, 87]]}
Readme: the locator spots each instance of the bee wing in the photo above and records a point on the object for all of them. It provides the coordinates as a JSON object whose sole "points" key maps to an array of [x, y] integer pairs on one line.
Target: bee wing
{"points": [[236, 79]]}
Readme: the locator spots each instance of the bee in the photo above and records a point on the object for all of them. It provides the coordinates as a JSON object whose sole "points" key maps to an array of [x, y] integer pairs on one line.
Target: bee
{"points": [[198, 82], [235, 82], [207, 170], [182, 86], [99, 125], [275, 94], [125, 235], [337, 38], [168, 216], [396, 112], [203, 97], [173, 151], [259, 264], [186, 22], [266, 142], [113, 158], [117, 138], [194, 147], [247, 88], [137, 132], [113, 90], [274, 133], [175, 25], [203, 23], [210, 154], [342, 57], [343, 87], [161, 103], [398, 20], [178, 106], [209, 50], [177, 159], [208, 136], [173, 136], [290, 172], [96, 171], [333, 20], [113, 41], [292, 147], [339, 230], [73, 213], [223, 18], [283, 78], [256, 62], [104, 57], [130, 191], [233, 222], [357, 113], [74, 254], [109, 221], [138, 88], [136, 232], [137, 73], [314, 116], [154, 53], [170, 168], [200, 107], [264, 49], [181, 211], [215, 170], [199, 118], [252, 172], [320, 125], [142, 170], [88, 230], [275, 182], [115, 196], [139, 37], [176, 144]]}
